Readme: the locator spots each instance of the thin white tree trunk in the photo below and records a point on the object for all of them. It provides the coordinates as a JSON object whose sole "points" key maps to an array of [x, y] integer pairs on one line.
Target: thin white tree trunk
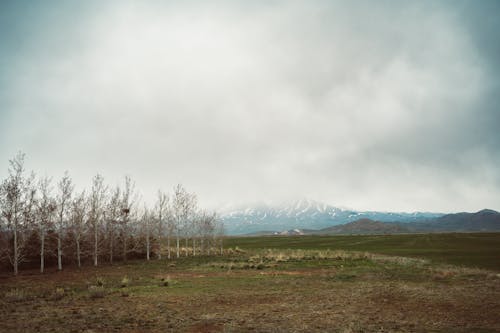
{"points": [[160, 229], [95, 245], [111, 248], [59, 253], [78, 252], [178, 245], [124, 248], [159, 247], [16, 253], [42, 250], [168, 246], [147, 245]]}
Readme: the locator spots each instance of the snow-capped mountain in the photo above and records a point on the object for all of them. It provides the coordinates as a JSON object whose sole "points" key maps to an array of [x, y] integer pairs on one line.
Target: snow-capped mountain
{"points": [[303, 214]]}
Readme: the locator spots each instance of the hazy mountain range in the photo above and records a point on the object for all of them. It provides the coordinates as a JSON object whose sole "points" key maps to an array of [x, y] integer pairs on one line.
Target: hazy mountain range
{"points": [[304, 214], [312, 217]]}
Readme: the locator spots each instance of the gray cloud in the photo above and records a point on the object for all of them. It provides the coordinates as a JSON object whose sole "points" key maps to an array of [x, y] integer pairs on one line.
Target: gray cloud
{"points": [[387, 106]]}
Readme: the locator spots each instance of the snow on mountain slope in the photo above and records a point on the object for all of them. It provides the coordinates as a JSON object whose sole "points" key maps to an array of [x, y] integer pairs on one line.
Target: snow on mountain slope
{"points": [[303, 214]]}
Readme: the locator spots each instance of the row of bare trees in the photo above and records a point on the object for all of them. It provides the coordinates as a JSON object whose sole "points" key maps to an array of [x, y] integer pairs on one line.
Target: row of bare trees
{"points": [[54, 224]]}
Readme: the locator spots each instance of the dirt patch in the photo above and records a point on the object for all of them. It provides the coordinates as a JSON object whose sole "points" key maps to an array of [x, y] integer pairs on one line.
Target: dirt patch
{"points": [[206, 326]]}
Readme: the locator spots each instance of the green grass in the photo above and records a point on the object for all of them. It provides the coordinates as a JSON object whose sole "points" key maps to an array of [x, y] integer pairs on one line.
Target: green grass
{"points": [[481, 250]]}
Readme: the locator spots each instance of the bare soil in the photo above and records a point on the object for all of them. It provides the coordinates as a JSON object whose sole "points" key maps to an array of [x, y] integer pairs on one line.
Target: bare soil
{"points": [[327, 295]]}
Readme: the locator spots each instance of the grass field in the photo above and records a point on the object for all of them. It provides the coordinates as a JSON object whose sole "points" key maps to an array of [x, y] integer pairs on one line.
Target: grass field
{"points": [[480, 250], [271, 285]]}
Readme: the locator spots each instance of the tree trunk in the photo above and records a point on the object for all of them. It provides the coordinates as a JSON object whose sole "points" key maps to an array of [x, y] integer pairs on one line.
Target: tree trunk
{"points": [[168, 246], [78, 253], [159, 236], [59, 253], [159, 247], [111, 249], [16, 253], [95, 245], [42, 251], [178, 245], [124, 248], [194, 246], [147, 245]]}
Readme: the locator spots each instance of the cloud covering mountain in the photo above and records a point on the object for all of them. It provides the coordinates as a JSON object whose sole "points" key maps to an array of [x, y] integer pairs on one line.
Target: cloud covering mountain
{"points": [[378, 106]]}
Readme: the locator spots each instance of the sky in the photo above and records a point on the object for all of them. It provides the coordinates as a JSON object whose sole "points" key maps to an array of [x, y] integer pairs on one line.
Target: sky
{"points": [[387, 105]]}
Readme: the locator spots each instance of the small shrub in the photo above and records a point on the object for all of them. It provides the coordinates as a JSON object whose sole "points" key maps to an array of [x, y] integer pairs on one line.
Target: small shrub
{"points": [[58, 294], [99, 281], [125, 282], [97, 292], [238, 250], [15, 295], [165, 282]]}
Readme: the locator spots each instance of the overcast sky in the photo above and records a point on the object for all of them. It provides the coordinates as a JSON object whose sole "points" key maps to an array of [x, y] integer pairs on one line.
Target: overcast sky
{"points": [[371, 105]]}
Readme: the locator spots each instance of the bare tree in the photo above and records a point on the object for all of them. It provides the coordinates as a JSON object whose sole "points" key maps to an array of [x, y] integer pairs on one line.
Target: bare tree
{"points": [[128, 201], [146, 221], [96, 200], [65, 187], [207, 231], [78, 213], [12, 204], [112, 218], [161, 211], [192, 220], [107, 223], [184, 204], [220, 235], [178, 210], [170, 220], [46, 208]]}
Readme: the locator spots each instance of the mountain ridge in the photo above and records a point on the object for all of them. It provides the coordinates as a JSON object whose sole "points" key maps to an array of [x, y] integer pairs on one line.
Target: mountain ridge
{"points": [[305, 214], [481, 221]]}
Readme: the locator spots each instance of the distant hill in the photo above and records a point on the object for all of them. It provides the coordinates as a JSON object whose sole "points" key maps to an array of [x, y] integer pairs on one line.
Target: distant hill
{"points": [[365, 226], [484, 220]]}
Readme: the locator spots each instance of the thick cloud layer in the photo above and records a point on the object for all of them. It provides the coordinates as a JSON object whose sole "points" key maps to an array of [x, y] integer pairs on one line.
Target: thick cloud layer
{"points": [[387, 106]]}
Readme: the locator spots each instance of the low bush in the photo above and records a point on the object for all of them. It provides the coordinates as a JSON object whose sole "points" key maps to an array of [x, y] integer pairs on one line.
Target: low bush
{"points": [[97, 292], [165, 282], [99, 281], [16, 295], [124, 282], [58, 294]]}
